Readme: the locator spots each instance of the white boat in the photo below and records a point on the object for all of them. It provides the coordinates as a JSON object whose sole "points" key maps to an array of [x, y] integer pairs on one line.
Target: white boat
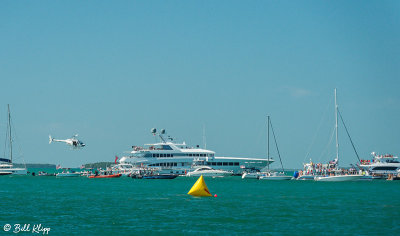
{"points": [[68, 173], [275, 176], [338, 175], [178, 158], [6, 163], [251, 175], [381, 165], [207, 171], [339, 178], [125, 169]]}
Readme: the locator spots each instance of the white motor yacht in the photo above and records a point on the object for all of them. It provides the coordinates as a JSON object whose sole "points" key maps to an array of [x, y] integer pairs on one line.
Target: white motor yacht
{"points": [[178, 158], [381, 164]]}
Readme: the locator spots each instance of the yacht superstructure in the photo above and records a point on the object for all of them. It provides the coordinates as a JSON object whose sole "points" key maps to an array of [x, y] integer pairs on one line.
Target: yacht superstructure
{"points": [[178, 158]]}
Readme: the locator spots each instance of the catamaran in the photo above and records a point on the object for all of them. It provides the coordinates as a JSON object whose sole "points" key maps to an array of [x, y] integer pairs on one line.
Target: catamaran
{"points": [[336, 174], [6, 163], [178, 158]]}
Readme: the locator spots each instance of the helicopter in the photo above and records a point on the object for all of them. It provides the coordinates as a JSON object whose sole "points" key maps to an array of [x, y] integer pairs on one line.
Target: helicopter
{"points": [[73, 141]]}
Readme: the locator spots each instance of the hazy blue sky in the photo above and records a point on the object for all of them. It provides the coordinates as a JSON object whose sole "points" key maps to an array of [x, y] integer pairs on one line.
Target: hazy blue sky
{"points": [[112, 70]]}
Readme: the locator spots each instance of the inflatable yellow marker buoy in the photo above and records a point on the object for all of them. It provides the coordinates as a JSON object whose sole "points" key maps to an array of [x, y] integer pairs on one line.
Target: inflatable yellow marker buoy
{"points": [[200, 189]]}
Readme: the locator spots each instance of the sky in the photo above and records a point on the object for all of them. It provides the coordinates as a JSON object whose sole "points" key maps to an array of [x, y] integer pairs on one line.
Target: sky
{"points": [[203, 70]]}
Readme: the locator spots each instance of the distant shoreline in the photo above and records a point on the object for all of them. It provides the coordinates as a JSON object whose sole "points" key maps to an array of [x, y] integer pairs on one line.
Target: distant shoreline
{"points": [[31, 165]]}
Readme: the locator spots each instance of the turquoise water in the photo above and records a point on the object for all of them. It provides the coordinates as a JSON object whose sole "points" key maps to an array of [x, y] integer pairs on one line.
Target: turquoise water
{"points": [[125, 206]]}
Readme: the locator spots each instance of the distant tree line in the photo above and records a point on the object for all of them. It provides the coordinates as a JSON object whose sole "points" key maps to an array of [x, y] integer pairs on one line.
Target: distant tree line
{"points": [[97, 165], [30, 165]]}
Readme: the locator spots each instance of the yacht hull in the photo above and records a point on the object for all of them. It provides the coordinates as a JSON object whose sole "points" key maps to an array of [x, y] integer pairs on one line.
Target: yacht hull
{"points": [[276, 177], [338, 178]]}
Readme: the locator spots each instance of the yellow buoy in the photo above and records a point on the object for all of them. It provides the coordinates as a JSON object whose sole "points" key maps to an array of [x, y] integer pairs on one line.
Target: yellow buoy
{"points": [[200, 189]]}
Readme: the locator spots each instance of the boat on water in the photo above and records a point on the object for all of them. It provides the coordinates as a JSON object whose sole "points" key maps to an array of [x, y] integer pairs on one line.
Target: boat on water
{"points": [[68, 173], [251, 174], [381, 166], [105, 176], [338, 175], [275, 176], [42, 173], [269, 174], [125, 169], [178, 158], [207, 171], [160, 176], [6, 164]]}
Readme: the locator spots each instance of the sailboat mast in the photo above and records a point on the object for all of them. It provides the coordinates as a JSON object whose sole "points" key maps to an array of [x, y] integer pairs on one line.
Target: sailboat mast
{"points": [[336, 128], [268, 144], [9, 130]]}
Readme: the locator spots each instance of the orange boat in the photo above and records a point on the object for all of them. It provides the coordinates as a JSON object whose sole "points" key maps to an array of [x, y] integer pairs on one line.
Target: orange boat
{"points": [[105, 176]]}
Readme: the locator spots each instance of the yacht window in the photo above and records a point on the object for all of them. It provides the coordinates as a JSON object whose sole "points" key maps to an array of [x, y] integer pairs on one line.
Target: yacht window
{"points": [[219, 164], [236, 163], [172, 155], [231, 163], [225, 163], [183, 163], [154, 155], [166, 147], [157, 155], [197, 155], [213, 163], [190, 154]]}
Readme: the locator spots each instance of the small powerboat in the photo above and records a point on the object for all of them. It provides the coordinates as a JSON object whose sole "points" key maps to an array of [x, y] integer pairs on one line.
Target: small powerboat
{"points": [[207, 171], [275, 176], [67, 173], [160, 176], [105, 176]]}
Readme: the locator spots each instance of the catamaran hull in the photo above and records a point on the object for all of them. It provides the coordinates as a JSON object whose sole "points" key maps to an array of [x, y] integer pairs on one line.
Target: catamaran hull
{"points": [[339, 178], [14, 171]]}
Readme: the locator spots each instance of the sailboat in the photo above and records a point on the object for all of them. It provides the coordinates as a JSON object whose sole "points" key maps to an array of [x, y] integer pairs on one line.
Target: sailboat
{"points": [[273, 175], [6, 163], [337, 174]]}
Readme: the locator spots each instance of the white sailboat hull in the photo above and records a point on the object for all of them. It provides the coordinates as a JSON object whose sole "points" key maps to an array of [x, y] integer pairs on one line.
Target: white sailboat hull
{"points": [[338, 178], [284, 177]]}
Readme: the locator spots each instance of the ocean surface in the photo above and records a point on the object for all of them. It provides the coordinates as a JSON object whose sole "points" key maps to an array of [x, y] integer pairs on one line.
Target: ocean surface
{"points": [[125, 206]]}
